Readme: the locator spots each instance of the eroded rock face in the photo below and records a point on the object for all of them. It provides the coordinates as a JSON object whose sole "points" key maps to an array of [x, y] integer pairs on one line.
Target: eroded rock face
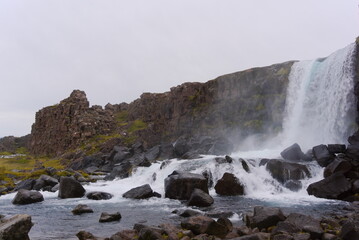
{"points": [[67, 124]]}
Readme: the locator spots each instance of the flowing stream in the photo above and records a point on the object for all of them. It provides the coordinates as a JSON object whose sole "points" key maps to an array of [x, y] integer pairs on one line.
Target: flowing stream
{"points": [[320, 108]]}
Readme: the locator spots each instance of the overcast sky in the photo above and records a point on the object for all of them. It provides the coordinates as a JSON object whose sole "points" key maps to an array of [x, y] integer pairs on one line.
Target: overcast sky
{"points": [[115, 50]]}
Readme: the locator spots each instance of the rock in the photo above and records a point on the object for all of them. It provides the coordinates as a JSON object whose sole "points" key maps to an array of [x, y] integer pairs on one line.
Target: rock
{"points": [[181, 146], [355, 186], [124, 235], [338, 165], [352, 151], [200, 199], [322, 155], [229, 185], [336, 148], [301, 236], [141, 192], [293, 185], [255, 236], [27, 184], [282, 236], [16, 227], [24, 196], [306, 224], [45, 181], [150, 233], [292, 153], [328, 236], [265, 217], [110, 217], [81, 208], [219, 214], [220, 228], [99, 195], [83, 235], [153, 153], [208, 175], [285, 227], [180, 185], [221, 146], [171, 231], [122, 170], [349, 231], [263, 162], [335, 186], [197, 224], [284, 171], [55, 188], [167, 151], [245, 165], [189, 213], [223, 160], [70, 188]]}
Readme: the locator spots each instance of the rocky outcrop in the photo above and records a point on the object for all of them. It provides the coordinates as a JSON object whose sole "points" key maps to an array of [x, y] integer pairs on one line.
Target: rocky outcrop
{"points": [[68, 124], [12, 144], [252, 101], [16, 228]]}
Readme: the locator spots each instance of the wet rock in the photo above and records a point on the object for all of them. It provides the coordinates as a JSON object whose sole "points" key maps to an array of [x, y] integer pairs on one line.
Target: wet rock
{"points": [[293, 185], [284, 171], [208, 175], [70, 188], [99, 195], [181, 146], [16, 227], [229, 185], [222, 160], [27, 184], [167, 151], [153, 153], [197, 224], [334, 187], [81, 208], [322, 155], [301, 236], [121, 170], [338, 165], [189, 213], [45, 181], [328, 236], [336, 148], [24, 196], [264, 217], [180, 185], [221, 146], [171, 231], [352, 151], [245, 165], [263, 162], [355, 186], [306, 224], [125, 235], [282, 236], [219, 214], [200, 199], [141, 192], [220, 228], [150, 233], [110, 217], [285, 227], [255, 236], [292, 153], [83, 235], [119, 154]]}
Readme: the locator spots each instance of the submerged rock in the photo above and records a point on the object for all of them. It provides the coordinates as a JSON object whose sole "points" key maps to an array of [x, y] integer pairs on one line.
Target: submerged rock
{"points": [[283, 171], [24, 196], [229, 185], [16, 227], [99, 195], [110, 217], [180, 185], [81, 208]]}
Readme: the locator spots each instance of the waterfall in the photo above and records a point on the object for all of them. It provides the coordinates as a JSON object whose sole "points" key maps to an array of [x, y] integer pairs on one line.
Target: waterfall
{"points": [[320, 103]]}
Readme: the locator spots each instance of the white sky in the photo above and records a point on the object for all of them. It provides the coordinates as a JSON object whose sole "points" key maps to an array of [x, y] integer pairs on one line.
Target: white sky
{"points": [[115, 50]]}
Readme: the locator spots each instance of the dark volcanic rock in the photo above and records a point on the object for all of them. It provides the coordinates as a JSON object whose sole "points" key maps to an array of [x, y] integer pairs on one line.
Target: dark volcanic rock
{"points": [[229, 185], [338, 165], [16, 228], [293, 185], [336, 148], [322, 155], [265, 217], [292, 153], [334, 187], [122, 170], [45, 181], [81, 208], [110, 217], [284, 171], [200, 199], [180, 185], [24, 196], [70, 188], [306, 224], [353, 151], [197, 224], [99, 195], [141, 192], [27, 184], [350, 231]]}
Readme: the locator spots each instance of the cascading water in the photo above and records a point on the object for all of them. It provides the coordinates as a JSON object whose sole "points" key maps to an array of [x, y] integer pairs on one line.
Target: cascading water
{"points": [[320, 103], [319, 109]]}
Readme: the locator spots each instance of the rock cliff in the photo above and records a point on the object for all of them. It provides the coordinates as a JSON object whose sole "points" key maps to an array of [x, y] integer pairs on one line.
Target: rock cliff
{"points": [[234, 105]]}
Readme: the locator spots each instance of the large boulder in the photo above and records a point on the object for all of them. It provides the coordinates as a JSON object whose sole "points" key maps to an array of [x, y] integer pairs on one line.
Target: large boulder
{"points": [[292, 153], [322, 155], [24, 196], [45, 182], [70, 188], [204, 224], [264, 217], [338, 165], [16, 228], [141, 192], [335, 186], [229, 185], [99, 195], [353, 151], [305, 224], [283, 171], [180, 185], [200, 199]]}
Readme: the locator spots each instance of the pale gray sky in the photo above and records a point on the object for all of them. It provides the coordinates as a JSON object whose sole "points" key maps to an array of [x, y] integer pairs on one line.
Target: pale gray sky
{"points": [[115, 50]]}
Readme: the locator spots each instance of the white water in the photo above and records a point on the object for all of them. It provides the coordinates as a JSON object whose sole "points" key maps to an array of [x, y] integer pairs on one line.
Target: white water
{"points": [[320, 103]]}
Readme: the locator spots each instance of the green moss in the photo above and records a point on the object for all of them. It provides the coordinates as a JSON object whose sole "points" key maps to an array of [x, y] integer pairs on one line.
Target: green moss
{"points": [[37, 173], [122, 118], [253, 124], [180, 235], [5, 153], [137, 125], [283, 71], [22, 150], [357, 40]]}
